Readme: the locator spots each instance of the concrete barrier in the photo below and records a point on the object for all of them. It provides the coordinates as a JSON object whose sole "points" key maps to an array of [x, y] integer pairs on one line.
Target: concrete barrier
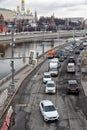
{"points": [[3, 97]]}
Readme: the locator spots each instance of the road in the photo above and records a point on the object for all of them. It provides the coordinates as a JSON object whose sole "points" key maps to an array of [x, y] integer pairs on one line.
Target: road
{"points": [[39, 36], [71, 108]]}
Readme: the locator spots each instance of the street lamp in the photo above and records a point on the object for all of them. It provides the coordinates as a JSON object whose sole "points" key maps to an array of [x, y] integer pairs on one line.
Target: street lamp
{"points": [[12, 86], [74, 34], [58, 30]]}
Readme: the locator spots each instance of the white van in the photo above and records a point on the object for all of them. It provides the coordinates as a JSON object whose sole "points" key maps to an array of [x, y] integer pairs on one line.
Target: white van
{"points": [[54, 63], [71, 67], [53, 66]]}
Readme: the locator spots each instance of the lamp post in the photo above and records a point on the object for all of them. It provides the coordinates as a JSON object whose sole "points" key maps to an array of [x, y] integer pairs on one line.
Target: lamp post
{"points": [[74, 34], [43, 44], [12, 86]]}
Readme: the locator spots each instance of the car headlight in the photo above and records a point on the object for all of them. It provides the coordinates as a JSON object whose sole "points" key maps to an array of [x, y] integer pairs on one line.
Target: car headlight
{"points": [[46, 118], [54, 90], [46, 90]]}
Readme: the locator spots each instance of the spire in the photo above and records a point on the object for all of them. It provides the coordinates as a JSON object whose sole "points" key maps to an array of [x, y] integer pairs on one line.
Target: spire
{"points": [[36, 19]]}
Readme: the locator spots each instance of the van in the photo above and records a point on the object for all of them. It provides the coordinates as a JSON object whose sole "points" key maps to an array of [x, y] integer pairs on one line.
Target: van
{"points": [[71, 67], [54, 63]]}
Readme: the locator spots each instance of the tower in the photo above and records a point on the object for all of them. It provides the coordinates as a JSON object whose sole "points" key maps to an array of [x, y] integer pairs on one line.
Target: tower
{"points": [[2, 24], [36, 19], [18, 9], [23, 6], [28, 11]]}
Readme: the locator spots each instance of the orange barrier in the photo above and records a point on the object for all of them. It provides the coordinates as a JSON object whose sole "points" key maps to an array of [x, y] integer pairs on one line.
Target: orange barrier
{"points": [[7, 119], [6, 123], [4, 127]]}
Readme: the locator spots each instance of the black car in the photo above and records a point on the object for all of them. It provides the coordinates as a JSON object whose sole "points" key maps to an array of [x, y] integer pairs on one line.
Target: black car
{"points": [[71, 59], [77, 52]]}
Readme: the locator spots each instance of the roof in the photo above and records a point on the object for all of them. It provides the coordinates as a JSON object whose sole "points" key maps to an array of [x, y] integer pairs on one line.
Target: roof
{"points": [[70, 64], [72, 81], [71, 57], [4, 9], [51, 81], [46, 73]]}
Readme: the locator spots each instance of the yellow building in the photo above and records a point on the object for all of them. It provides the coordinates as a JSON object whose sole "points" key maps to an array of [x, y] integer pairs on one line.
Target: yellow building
{"points": [[8, 14]]}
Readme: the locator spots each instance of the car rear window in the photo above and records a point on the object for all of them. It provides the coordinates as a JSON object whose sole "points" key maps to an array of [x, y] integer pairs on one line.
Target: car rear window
{"points": [[47, 76]]}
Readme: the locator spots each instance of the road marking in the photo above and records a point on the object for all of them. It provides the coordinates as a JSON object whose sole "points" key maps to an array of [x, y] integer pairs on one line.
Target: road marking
{"points": [[23, 105]]}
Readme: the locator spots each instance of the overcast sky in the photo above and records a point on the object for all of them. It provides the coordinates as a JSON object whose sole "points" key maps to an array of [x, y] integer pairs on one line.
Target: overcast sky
{"points": [[60, 8]]}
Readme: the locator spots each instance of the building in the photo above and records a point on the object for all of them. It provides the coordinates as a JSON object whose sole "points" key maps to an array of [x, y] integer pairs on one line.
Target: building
{"points": [[7, 14], [2, 24]]}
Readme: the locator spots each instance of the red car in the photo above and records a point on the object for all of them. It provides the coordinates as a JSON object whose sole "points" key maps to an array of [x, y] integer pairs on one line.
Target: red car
{"points": [[72, 86]]}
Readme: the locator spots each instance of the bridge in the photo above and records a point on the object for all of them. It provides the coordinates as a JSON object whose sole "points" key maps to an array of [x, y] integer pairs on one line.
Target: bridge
{"points": [[40, 36]]}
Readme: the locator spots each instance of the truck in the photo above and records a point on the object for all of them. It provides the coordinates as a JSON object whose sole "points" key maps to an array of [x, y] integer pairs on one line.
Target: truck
{"points": [[53, 66], [50, 53]]}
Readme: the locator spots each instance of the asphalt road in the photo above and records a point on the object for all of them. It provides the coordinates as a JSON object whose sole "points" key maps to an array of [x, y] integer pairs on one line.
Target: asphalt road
{"points": [[71, 108]]}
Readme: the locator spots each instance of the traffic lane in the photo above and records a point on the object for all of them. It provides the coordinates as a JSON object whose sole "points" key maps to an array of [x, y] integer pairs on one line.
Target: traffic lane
{"points": [[76, 116], [22, 102]]}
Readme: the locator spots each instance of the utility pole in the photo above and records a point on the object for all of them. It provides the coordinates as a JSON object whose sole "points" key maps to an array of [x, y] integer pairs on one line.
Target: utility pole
{"points": [[12, 87], [74, 34]]}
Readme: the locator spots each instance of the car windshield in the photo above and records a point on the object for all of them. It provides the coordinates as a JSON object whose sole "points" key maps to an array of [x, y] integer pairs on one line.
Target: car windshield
{"points": [[49, 108], [50, 85], [46, 76]]}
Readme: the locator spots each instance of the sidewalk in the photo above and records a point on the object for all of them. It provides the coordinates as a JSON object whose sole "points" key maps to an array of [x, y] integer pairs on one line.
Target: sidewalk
{"points": [[84, 83]]}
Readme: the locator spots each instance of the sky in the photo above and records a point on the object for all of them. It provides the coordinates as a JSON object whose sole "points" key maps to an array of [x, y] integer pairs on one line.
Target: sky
{"points": [[46, 8]]}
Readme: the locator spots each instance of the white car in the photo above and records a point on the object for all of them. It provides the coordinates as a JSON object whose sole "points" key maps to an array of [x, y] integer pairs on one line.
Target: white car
{"points": [[47, 77], [48, 111], [53, 71], [50, 87]]}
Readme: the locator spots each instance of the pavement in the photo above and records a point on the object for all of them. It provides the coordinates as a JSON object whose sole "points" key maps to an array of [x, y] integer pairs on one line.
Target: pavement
{"points": [[84, 83]]}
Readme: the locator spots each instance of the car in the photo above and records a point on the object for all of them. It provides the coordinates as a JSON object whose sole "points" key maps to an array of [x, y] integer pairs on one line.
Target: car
{"points": [[57, 54], [48, 110], [81, 47], [53, 71], [77, 52], [72, 86], [70, 49], [71, 59], [59, 65], [50, 87], [61, 58], [47, 77]]}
